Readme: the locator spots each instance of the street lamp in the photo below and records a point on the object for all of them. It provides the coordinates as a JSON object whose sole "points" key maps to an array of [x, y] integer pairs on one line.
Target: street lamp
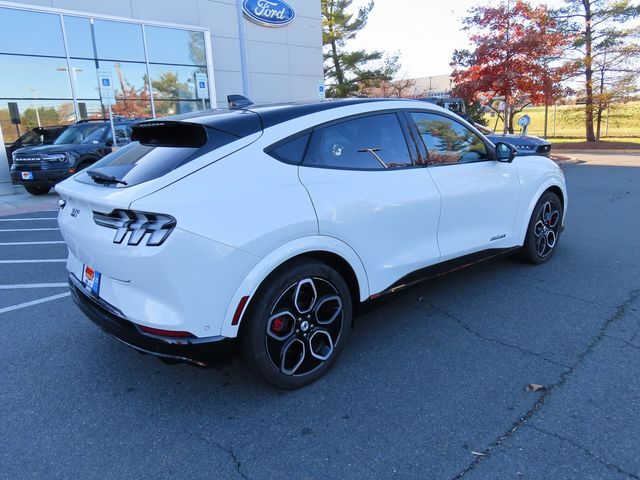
{"points": [[33, 92]]}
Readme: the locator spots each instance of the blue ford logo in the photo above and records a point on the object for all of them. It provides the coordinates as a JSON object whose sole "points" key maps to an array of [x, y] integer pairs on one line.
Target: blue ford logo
{"points": [[270, 13]]}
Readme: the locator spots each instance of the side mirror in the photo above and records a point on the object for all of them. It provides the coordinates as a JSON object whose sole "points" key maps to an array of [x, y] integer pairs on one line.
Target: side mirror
{"points": [[505, 152], [108, 143]]}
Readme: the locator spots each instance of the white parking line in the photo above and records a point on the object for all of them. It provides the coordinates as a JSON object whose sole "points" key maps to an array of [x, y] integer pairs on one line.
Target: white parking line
{"points": [[26, 219], [33, 302], [33, 285], [7, 244], [28, 230], [41, 260]]}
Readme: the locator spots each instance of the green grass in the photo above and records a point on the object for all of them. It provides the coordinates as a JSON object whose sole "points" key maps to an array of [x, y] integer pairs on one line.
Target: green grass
{"points": [[624, 122], [605, 139]]}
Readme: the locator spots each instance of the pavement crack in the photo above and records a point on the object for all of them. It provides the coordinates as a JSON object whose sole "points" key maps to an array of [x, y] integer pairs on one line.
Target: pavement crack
{"points": [[228, 450], [549, 291], [609, 465], [619, 313], [470, 330]]}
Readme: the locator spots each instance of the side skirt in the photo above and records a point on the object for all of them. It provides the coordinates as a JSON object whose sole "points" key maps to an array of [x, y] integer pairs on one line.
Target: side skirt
{"points": [[444, 268]]}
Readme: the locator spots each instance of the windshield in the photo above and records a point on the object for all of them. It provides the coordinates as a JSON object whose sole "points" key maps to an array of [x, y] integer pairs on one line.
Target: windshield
{"points": [[95, 136], [77, 133]]}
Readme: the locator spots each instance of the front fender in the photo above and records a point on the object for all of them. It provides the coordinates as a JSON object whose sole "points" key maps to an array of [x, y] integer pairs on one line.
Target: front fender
{"points": [[280, 255], [534, 183]]}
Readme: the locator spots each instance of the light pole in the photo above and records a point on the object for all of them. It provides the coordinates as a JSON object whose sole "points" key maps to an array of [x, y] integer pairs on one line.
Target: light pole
{"points": [[33, 92], [74, 79]]}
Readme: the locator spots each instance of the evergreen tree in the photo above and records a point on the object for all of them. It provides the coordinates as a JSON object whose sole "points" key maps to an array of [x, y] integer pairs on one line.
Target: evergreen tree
{"points": [[349, 72]]}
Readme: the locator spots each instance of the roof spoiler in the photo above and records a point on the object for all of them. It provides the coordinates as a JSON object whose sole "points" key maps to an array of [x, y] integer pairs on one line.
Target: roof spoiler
{"points": [[237, 102]]}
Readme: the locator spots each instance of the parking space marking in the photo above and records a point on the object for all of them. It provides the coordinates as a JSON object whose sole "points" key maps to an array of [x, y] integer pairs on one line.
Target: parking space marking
{"points": [[27, 219], [29, 229], [33, 302], [39, 260], [7, 244], [33, 285]]}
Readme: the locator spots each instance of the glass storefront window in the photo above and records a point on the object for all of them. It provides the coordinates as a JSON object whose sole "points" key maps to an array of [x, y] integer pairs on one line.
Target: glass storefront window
{"points": [[34, 77], [174, 81], [119, 41], [170, 45], [30, 33], [129, 79], [34, 113], [176, 107], [79, 40]]}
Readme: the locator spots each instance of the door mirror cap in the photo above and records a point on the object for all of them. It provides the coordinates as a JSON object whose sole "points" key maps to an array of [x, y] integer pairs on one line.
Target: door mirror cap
{"points": [[505, 152]]}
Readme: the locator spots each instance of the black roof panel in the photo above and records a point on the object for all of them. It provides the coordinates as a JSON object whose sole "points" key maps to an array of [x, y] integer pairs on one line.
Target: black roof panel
{"points": [[243, 122]]}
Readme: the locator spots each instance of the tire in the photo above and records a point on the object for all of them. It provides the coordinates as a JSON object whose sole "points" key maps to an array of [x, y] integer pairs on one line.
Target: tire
{"points": [[543, 232], [33, 190], [297, 324]]}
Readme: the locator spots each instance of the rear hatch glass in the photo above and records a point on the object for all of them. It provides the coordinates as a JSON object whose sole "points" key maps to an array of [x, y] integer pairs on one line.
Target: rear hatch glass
{"points": [[156, 149]]}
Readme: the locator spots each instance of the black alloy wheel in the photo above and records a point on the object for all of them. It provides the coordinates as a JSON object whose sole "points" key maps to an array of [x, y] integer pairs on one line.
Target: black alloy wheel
{"points": [[298, 324], [543, 232]]}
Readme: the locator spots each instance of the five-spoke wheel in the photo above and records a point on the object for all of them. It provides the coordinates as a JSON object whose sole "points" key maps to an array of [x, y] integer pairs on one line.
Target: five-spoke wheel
{"points": [[544, 229], [298, 322]]}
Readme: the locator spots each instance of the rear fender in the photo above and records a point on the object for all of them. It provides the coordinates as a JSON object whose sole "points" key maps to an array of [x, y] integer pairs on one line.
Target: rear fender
{"points": [[279, 256]]}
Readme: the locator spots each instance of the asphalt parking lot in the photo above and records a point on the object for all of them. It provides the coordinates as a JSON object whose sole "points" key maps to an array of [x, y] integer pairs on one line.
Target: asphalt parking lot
{"points": [[432, 384]]}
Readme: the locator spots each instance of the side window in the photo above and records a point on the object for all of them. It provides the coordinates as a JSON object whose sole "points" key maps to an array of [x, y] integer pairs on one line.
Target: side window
{"points": [[448, 141], [290, 151], [373, 142]]}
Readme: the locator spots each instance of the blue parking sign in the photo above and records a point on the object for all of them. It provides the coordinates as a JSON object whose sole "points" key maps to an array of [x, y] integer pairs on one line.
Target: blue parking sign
{"points": [[201, 85], [106, 82]]}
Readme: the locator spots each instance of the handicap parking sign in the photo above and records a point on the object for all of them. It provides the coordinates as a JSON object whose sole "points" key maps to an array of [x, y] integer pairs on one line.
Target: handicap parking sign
{"points": [[202, 85], [106, 82]]}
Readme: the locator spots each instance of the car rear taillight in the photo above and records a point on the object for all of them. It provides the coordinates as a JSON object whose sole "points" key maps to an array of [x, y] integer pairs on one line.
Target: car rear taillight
{"points": [[155, 226]]}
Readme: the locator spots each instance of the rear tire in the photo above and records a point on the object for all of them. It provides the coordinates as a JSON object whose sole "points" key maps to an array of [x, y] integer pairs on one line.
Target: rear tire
{"points": [[543, 232], [33, 190], [297, 324]]}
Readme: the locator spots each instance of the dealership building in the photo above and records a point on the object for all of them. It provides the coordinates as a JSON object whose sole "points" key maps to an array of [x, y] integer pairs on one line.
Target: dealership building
{"points": [[160, 57]]}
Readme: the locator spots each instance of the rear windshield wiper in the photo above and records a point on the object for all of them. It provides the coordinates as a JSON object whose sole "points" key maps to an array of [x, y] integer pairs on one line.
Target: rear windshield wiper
{"points": [[104, 179]]}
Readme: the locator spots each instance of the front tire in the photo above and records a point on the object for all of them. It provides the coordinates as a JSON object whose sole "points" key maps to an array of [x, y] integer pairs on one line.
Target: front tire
{"points": [[297, 324], [33, 190], [543, 231]]}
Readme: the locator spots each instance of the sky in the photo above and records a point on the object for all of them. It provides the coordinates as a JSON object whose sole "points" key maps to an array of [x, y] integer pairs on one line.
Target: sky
{"points": [[425, 32]]}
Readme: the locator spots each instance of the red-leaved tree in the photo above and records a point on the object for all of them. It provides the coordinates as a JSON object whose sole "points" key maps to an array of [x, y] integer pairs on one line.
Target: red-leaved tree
{"points": [[513, 59]]}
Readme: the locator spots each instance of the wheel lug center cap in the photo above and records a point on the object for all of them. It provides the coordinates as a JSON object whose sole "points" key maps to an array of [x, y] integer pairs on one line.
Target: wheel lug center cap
{"points": [[304, 326]]}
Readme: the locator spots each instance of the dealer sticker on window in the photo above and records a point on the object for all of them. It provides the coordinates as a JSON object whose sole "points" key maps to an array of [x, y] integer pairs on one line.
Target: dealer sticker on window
{"points": [[91, 279]]}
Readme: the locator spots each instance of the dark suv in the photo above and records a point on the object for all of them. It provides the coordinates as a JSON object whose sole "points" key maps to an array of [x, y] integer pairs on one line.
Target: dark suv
{"points": [[80, 145], [35, 136]]}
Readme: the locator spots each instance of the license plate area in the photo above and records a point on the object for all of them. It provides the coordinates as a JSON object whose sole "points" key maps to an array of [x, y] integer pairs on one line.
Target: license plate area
{"points": [[91, 279], [27, 175]]}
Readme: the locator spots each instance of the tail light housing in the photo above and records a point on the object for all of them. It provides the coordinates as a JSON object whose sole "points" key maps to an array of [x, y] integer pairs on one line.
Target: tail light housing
{"points": [[155, 227]]}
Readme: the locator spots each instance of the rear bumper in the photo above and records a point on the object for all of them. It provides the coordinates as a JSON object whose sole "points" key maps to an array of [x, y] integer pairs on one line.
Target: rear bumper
{"points": [[203, 352]]}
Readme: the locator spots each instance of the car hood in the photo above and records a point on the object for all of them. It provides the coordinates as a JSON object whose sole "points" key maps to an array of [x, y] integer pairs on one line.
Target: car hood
{"points": [[517, 139], [48, 149]]}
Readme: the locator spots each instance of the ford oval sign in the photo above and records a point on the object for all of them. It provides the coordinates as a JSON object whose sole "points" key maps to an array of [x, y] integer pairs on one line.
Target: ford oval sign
{"points": [[269, 13]]}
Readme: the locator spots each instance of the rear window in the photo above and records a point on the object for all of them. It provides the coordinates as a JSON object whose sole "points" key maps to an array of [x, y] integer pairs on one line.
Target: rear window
{"points": [[158, 149]]}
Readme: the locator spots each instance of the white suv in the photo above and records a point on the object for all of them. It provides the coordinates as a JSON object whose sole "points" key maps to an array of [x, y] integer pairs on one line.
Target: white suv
{"points": [[262, 229]]}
